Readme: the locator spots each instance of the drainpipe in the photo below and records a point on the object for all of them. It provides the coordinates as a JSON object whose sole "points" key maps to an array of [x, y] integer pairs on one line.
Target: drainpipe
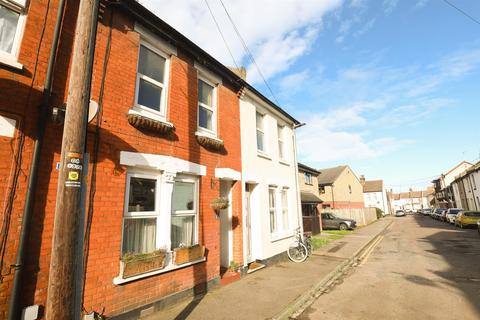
{"points": [[13, 310]]}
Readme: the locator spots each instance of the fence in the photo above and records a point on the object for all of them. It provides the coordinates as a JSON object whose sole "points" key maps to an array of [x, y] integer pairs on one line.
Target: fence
{"points": [[363, 216]]}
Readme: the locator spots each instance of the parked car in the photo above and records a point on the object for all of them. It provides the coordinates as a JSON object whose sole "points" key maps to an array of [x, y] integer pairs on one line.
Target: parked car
{"points": [[451, 214], [437, 213], [399, 213], [330, 221], [426, 212], [467, 218]]}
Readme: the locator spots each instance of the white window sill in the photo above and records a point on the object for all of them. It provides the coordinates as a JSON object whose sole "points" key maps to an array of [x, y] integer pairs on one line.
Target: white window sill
{"points": [[10, 63], [263, 155], [208, 135], [285, 163], [170, 267], [281, 235]]}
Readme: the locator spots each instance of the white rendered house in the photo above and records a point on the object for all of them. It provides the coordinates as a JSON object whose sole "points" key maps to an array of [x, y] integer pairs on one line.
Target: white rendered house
{"points": [[374, 195], [272, 207]]}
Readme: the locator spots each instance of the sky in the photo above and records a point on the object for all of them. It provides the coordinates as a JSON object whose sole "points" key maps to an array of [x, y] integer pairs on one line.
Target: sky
{"points": [[389, 87]]}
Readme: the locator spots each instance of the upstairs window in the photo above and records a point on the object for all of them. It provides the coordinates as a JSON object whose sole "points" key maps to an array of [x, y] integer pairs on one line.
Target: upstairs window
{"points": [[11, 27], [151, 80], [207, 109], [281, 143], [308, 178], [260, 119]]}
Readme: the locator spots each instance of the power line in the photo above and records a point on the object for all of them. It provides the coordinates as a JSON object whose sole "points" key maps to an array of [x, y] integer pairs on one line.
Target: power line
{"points": [[461, 11], [221, 34], [248, 52]]}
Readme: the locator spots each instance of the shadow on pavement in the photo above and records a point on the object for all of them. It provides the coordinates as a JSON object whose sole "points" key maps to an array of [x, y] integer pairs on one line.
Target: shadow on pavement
{"points": [[460, 248]]}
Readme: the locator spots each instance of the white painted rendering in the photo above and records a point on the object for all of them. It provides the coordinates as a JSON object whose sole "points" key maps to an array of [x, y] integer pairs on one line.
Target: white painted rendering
{"points": [[453, 173], [376, 200], [227, 174], [161, 162], [263, 169]]}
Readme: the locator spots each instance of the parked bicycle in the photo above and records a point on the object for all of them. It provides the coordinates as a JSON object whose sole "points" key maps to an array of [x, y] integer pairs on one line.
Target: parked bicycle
{"points": [[301, 248]]}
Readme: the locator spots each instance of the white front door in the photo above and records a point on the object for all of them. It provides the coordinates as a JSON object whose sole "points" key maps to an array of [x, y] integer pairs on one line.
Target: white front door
{"points": [[226, 225], [248, 223]]}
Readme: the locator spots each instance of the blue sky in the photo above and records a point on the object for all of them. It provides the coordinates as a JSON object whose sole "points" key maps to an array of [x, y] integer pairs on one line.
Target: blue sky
{"points": [[390, 88]]}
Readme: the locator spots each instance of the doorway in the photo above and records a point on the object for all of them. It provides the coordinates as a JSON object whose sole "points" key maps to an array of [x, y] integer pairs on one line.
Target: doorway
{"points": [[248, 222], [226, 236]]}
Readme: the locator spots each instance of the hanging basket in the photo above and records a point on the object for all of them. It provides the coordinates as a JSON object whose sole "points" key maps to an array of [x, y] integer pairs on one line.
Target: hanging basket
{"points": [[219, 203], [210, 143], [135, 264]]}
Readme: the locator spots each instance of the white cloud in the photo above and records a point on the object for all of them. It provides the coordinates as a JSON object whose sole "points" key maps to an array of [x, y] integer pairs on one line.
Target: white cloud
{"points": [[293, 82], [276, 32], [389, 6], [421, 3]]}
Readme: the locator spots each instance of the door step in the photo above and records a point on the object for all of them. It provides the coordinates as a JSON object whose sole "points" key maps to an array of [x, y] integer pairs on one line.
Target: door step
{"points": [[255, 266], [228, 276]]}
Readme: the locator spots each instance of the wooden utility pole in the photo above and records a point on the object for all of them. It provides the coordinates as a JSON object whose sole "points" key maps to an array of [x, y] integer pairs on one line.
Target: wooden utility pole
{"points": [[61, 281]]}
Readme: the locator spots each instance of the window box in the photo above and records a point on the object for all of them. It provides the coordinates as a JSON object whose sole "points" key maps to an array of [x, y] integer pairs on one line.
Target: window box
{"points": [[141, 122], [135, 264], [208, 142], [189, 254]]}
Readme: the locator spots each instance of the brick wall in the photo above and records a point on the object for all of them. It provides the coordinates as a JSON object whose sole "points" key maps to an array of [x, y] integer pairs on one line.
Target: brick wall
{"points": [[115, 135]]}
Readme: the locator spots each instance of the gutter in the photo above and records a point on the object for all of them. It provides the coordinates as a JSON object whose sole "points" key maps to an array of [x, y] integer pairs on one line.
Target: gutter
{"points": [[14, 305]]}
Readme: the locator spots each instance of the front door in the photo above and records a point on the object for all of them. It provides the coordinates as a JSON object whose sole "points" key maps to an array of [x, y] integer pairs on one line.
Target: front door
{"points": [[248, 224], [226, 225]]}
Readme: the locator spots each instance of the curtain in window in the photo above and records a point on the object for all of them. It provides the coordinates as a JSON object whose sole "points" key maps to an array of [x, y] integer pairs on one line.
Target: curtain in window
{"points": [[139, 235], [8, 28], [182, 231]]}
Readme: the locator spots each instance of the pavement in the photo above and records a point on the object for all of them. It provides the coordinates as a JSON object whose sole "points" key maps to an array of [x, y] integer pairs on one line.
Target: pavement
{"points": [[419, 268], [276, 292]]}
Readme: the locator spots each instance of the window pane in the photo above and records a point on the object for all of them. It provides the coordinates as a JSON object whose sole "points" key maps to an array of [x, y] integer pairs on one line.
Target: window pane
{"points": [[8, 28], [280, 149], [272, 221], [205, 93], [183, 231], [285, 209], [151, 64], [183, 196], [142, 195], [280, 132], [205, 118], [260, 145], [149, 95], [259, 119], [271, 198], [139, 235]]}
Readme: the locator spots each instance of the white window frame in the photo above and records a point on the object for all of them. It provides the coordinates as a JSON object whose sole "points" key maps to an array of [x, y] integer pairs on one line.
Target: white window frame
{"points": [[160, 115], [11, 58], [308, 178], [281, 141], [263, 130], [285, 212], [189, 213], [143, 214], [212, 108], [274, 228]]}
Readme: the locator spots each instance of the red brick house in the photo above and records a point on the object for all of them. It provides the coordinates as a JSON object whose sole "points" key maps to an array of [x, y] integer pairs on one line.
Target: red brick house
{"points": [[164, 144]]}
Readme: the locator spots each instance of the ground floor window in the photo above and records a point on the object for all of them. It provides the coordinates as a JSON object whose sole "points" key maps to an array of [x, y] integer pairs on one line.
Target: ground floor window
{"points": [[147, 219], [271, 207], [278, 209]]}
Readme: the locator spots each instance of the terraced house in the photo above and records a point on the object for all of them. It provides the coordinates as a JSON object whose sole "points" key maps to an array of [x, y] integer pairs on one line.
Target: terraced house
{"points": [[166, 188]]}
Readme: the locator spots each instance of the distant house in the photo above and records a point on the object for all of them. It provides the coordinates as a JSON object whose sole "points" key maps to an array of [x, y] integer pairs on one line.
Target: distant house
{"points": [[310, 198], [340, 188], [411, 201], [374, 195], [444, 189]]}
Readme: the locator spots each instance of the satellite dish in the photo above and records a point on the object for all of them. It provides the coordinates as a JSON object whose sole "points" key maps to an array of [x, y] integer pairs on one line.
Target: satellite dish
{"points": [[92, 110]]}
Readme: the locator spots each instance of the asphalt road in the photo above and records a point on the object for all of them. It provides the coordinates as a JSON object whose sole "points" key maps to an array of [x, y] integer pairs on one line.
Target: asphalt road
{"points": [[421, 269]]}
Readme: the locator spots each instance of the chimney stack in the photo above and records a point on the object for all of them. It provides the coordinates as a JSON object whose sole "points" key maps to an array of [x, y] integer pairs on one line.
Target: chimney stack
{"points": [[362, 179]]}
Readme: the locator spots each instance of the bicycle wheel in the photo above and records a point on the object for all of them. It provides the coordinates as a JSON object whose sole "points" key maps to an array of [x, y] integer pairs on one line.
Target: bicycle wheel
{"points": [[297, 252]]}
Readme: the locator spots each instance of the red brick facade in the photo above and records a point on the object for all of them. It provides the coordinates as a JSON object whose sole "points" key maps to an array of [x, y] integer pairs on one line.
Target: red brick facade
{"points": [[20, 93]]}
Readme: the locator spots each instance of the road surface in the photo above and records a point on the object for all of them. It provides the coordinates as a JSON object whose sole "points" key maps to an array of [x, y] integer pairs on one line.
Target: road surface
{"points": [[421, 269]]}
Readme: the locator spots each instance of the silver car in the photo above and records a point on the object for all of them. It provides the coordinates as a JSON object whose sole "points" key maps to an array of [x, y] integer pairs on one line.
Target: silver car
{"points": [[452, 214]]}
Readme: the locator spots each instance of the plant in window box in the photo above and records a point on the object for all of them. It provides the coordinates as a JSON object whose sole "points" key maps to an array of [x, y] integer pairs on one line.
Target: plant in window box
{"points": [[138, 263], [188, 254], [210, 143]]}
